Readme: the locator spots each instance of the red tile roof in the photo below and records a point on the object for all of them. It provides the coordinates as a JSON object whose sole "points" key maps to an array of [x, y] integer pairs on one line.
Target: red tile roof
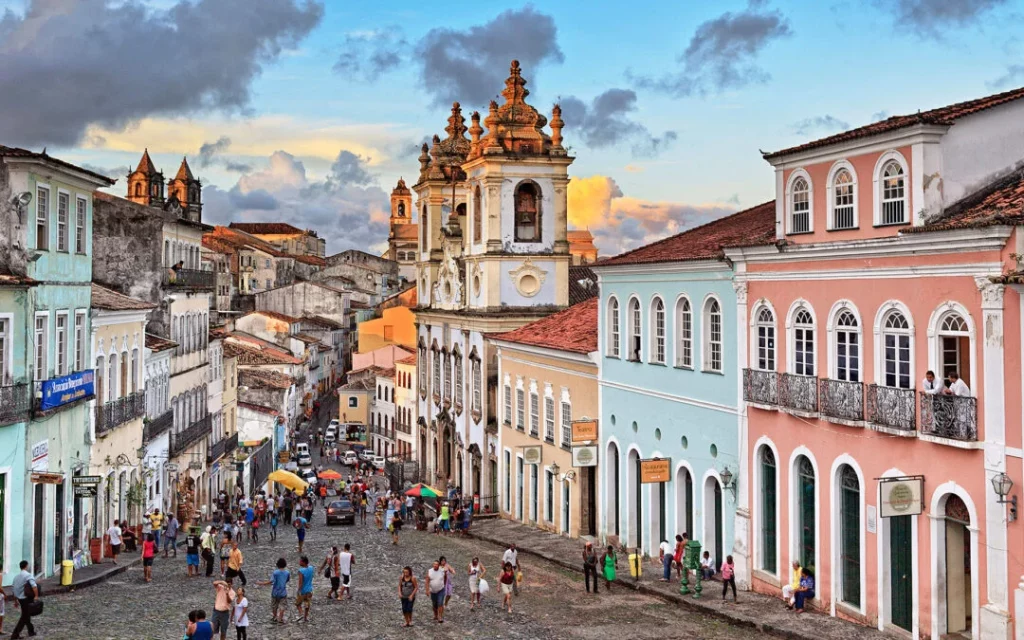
{"points": [[942, 116], [103, 298], [276, 228], [275, 315], [313, 260], [15, 152], [752, 227], [407, 360], [250, 350], [231, 240], [11, 280], [408, 231], [1000, 202], [582, 284], [156, 344], [326, 323], [264, 379], [257, 407], [573, 329]]}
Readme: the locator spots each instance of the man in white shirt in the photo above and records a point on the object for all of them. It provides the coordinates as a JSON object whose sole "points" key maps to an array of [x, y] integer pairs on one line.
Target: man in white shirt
{"points": [[345, 561], [114, 533], [25, 591], [665, 555], [930, 385], [957, 387]]}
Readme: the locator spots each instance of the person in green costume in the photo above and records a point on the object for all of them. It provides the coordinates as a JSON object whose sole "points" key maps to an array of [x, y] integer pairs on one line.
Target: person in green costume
{"points": [[608, 562]]}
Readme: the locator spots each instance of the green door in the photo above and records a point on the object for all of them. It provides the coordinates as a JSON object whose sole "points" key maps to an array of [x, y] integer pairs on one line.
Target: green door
{"points": [[768, 511], [850, 534], [718, 524], [901, 585]]}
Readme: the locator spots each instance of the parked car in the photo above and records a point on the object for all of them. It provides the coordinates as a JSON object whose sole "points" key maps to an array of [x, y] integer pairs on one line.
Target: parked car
{"points": [[334, 423], [331, 434], [378, 462], [341, 512], [350, 458], [309, 476], [305, 460], [367, 455], [301, 448]]}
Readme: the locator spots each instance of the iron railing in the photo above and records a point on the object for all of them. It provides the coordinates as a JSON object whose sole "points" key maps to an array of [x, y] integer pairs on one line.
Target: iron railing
{"points": [[840, 399], [157, 425], [195, 432], [798, 392], [761, 387], [113, 414], [952, 417], [190, 279], [224, 446], [15, 403], [891, 407]]}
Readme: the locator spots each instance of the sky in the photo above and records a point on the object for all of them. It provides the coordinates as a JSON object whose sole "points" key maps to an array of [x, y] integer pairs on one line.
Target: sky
{"points": [[309, 111]]}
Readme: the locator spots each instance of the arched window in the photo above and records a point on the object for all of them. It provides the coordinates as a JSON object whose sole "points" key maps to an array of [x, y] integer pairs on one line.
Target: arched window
{"points": [[765, 326], [101, 374], [457, 371], [635, 338], [527, 213], [894, 203], [712, 336], [800, 206], [112, 378], [803, 343], [613, 327], [477, 382], [478, 218], [437, 372], [806, 513], [769, 510], [424, 223], [657, 347], [401, 209], [684, 333], [847, 354], [896, 354], [954, 343], [843, 194], [139, 189], [125, 364], [849, 532], [447, 373]]}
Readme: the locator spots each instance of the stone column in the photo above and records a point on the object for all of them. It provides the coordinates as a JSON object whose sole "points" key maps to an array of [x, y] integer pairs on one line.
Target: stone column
{"points": [[741, 525]]}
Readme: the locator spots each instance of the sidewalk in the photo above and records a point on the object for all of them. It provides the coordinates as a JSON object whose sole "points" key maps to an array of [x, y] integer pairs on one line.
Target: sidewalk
{"points": [[753, 610], [88, 576]]}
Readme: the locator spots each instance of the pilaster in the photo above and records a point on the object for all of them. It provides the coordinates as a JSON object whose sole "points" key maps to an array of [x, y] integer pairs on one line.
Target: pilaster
{"points": [[741, 526]]}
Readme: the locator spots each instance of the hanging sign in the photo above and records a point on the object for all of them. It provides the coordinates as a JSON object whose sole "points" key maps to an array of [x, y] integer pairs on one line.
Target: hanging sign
{"points": [[41, 455], [85, 491], [901, 496], [65, 389], [532, 455], [85, 480], [47, 478], [584, 431], [655, 470], [585, 456]]}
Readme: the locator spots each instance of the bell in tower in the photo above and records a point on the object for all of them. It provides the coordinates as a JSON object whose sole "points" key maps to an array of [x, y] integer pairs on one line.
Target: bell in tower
{"points": [[146, 184]]}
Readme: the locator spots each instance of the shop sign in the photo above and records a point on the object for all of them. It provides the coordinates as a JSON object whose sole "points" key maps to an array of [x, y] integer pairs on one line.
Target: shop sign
{"points": [[85, 480], [41, 455], [655, 470], [86, 491], [585, 456], [901, 496], [39, 477], [584, 431], [66, 389], [532, 455]]}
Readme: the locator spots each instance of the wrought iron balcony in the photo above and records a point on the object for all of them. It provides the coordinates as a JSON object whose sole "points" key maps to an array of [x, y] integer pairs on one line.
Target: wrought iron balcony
{"points": [[190, 279], [761, 387], [15, 403], [224, 446], [952, 417], [113, 414], [195, 432], [841, 400], [799, 393], [891, 407], [157, 425]]}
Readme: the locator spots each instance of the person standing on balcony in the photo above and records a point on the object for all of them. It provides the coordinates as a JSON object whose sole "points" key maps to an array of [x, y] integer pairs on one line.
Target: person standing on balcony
{"points": [[957, 387], [930, 385]]}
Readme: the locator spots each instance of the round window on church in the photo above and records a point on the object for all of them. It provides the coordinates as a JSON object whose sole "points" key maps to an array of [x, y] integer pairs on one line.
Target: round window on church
{"points": [[529, 285]]}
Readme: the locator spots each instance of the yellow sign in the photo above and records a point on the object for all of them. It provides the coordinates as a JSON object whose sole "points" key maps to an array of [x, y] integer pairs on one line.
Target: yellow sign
{"points": [[283, 457], [584, 431], [652, 471]]}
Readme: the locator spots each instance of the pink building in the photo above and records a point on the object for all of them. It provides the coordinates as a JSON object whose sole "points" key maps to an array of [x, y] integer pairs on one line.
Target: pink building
{"points": [[894, 241]]}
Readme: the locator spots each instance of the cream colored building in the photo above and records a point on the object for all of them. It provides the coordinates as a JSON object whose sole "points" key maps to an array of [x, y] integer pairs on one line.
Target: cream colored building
{"points": [[405, 412], [548, 375]]}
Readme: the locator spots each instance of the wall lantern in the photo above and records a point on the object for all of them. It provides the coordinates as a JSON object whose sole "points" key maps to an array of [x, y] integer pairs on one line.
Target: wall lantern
{"points": [[1002, 484]]}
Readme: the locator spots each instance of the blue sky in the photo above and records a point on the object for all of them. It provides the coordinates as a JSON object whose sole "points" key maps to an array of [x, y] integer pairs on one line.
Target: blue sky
{"points": [[762, 75]]}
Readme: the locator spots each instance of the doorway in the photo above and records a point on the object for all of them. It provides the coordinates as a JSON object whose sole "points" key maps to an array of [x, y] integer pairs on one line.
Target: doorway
{"points": [[612, 515], [713, 519], [38, 527], [901, 577], [588, 501], [684, 502], [959, 607], [634, 498], [58, 526]]}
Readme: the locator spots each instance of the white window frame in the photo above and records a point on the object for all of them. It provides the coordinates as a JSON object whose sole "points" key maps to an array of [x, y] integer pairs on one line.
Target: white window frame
{"points": [[80, 327], [534, 410], [657, 349], [566, 418], [791, 331], [508, 402], [886, 310], [936, 333], [41, 357], [799, 173], [833, 175], [708, 344], [520, 406], [757, 324], [457, 383], [549, 414], [41, 186], [61, 351], [6, 350], [877, 187], [683, 336], [635, 324], [614, 328], [63, 234], [832, 329], [81, 215]]}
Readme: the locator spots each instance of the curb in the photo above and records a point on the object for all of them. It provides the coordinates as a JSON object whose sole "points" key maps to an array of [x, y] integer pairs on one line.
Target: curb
{"points": [[689, 603], [96, 579]]}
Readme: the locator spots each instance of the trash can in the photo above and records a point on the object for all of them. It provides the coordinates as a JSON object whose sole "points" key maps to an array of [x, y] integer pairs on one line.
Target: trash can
{"points": [[67, 572], [635, 565]]}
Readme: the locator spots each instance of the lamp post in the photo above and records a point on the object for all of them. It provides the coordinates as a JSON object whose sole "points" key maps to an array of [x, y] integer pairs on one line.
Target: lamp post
{"points": [[1002, 484], [727, 480]]}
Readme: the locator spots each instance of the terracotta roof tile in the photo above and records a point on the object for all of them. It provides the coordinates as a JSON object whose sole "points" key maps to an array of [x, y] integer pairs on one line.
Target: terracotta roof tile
{"points": [[408, 231], [157, 344], [574, 329], [103, 298], [236, 239], [258, 407], [275, 315], [264, 379], [313, 260], [15, 152], [363, 384], [10, 280], [942, 116], [751, 227], [407, 360], [1000, 202], [305, 337], [275, 228], [326, 323], [250, 350]]}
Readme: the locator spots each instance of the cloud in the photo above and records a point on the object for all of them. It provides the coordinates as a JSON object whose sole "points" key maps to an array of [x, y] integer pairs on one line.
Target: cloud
{"points": [[112, 173], [823, 124], [605, 122], [69, 64], [347, 207], [722, 53], [932, 18], [468, 65], [210, 149], [1014, 77], [878, 116], [620, 223]]}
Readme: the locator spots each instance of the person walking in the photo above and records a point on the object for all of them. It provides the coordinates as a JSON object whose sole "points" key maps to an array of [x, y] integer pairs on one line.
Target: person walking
{"points": [[346, 560], [226, 541], [331, 569], [250, 515], [287, 504], [511, 556], [148, 553], [407, 588], [300, 530], [278, 591], [507, 579], [171, 535], [728, 578], [436, 582], [590, 567], [114, 533], [256, 522], [192, 543], [304, 599], [223, 601], [26, 591], [449, 579], [198, 628], [235, 562], [445, 518], [476, 573], [273, 525], [207, 544], [396, 527], [156, 520], [240, 616], [608, 563]]}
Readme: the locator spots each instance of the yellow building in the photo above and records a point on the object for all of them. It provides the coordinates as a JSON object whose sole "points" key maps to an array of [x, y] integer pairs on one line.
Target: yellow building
{"points": [[396, 326], [547, 373], [355, 400]]}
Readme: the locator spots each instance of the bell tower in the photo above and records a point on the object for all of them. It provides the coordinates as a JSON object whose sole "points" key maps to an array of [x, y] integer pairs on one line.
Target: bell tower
{"points": [[146, 184], [401, 204], [188, 191]]}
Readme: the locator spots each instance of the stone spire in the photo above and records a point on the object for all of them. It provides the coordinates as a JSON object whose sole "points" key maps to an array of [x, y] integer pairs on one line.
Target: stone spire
{"points": [[517, 125], [146, 165], [184, 171], [474, 135], [424, 162], [556, 128]]}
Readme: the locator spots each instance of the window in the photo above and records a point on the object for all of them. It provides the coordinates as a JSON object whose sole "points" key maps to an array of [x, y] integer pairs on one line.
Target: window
{"points": [[112, 377], [63, 210], [520, 409], [61, 338], [269, 283], [658, 331], [422, 368], [955, 347], [613, 327], [893, 194], [478, 221], [765, 340], [135, 371], [353, 402], [266, 264], [508, 404], [101, 374], [80, 211], [447, 376], [896, 342], [42, 218], [634, 330], [684, 333], [549, 497], [549, 418], [457, 366], [508, 482], [807, 521], [803, 343], [843, 190], [800, 206], [125, 365], [534, 413], [527, 213], [40, 345], [566, 424], [5, 350], [847, 347], [712, 336], [769, 509], [477, 386], [437, 372]]}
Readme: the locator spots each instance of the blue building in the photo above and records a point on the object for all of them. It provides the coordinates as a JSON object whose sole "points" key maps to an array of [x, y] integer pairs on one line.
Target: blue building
{"points": [[45, 295], [669, 388]]}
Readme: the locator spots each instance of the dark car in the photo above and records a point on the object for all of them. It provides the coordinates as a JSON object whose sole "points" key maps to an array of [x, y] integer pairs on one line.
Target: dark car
{"points": [[340, 512]]}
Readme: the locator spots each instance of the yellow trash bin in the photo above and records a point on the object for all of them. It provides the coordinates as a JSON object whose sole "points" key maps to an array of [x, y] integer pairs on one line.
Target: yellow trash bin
{"points": [[67, 572], [636, 566]]}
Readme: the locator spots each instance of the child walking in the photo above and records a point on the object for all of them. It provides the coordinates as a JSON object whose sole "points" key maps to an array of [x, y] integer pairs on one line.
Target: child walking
{"points": [[240, 615], [728, 578]]}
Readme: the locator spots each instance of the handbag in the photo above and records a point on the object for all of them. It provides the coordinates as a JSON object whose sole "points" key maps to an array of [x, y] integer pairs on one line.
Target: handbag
{"points": [[34, 608]]}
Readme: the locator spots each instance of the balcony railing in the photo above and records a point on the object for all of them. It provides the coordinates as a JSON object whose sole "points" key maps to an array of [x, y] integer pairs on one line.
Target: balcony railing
{"points": [[891, 407], [195, 432], [15, 403], [841, 400], [113, 414], [157, 425], [224, 446], [952, 417], [799, 393], [190, 279], [761, 387]]}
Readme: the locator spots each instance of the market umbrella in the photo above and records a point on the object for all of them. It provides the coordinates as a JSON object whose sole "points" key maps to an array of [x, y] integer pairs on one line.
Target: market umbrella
{"points": [[288, 479], [329, 474], [423, 491]]}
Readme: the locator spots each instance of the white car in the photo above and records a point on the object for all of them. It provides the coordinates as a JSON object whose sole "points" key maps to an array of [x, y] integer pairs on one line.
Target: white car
{"points": [[367, 455], [309, 476], [350, 458], [334, 423], [331, 434], [378, 462], [302, 448], [305, 460]]}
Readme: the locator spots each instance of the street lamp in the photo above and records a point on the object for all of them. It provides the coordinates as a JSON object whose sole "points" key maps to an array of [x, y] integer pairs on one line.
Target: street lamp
{"points": [[1002, 484], [727, 480], [555, 469]]}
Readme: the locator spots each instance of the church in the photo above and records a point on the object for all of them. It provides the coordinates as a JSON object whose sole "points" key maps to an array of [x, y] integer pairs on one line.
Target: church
{"points": [[492, 254]]}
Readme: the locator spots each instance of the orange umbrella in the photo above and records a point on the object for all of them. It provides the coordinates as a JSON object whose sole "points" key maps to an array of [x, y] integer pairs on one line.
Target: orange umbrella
{"points": [[329, 474]]}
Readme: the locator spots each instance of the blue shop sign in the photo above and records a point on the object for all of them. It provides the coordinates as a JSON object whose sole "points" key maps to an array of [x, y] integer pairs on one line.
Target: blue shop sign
{"points": [[60, 391]]}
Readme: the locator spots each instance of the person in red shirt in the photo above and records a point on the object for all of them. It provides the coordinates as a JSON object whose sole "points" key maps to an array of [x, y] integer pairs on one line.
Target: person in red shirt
{"points": [[148, 553]]}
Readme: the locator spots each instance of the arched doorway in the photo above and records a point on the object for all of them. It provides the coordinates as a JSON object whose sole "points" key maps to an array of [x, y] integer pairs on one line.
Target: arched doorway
{"points": [[633, 497], [848, 504], [713, 519], [612, 493], [446, 448], [460, 484], [805, 513], [684, 501], [958, 596], [769, 510]]}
